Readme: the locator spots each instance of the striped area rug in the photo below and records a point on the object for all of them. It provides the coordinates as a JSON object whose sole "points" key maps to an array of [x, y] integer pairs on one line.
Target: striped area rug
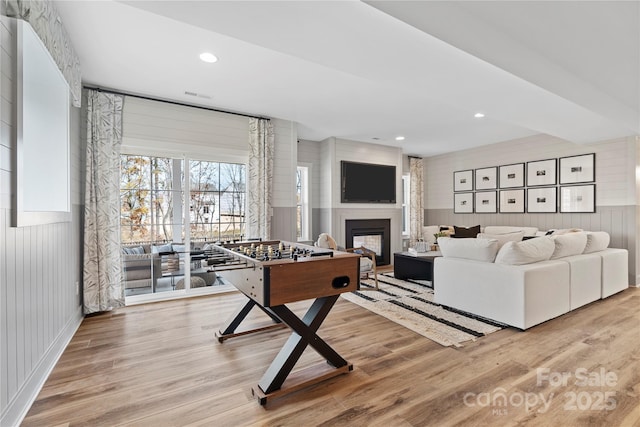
{"points": [[410, 304]]}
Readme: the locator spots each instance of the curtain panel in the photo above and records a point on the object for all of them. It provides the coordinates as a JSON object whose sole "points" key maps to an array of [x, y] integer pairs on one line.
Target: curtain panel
{"points": [[102, 272], [416, 195], [43, 17], [259, 178]]}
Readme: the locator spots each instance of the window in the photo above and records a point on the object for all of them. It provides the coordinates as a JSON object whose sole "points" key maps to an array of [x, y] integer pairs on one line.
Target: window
{"points": [[162, 246], [217, 201], [151, 203], [303, 212], [406, 225]]}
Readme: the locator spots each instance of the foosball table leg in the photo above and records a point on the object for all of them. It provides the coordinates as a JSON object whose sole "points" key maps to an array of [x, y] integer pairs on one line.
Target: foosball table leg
{"points": [[304, 334], [228, 330]]}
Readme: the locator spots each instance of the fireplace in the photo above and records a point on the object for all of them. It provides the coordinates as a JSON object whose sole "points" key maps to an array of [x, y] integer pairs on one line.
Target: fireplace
{"points": [[373, 234]]}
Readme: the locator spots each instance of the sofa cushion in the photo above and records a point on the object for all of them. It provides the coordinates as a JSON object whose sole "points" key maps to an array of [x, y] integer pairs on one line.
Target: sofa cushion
{"points": [[568, 244], [466, 232], [476, 249], [428, 233], [132, 250], [177, 247], [596, 241], [500, 229], [503, 238], [560, 231], [526, 251], [156, 249]]}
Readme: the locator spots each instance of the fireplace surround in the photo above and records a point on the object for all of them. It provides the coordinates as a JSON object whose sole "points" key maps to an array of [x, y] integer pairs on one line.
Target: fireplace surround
{"points": [[374, 234]]}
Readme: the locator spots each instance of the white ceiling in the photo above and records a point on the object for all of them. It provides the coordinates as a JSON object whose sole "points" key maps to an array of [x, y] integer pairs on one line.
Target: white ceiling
{"points": [[370, 71]]}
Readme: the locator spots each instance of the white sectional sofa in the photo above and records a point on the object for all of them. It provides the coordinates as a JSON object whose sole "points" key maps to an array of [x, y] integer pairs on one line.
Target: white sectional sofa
{"points": [[525, 282]]}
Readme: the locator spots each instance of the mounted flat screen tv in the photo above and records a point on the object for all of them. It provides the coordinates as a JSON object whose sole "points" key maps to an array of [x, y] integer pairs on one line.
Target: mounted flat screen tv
{"points": [[367, 183]]}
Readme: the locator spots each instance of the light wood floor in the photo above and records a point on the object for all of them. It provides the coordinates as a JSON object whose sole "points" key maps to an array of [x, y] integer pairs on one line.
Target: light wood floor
{"points": [[160, 365]]}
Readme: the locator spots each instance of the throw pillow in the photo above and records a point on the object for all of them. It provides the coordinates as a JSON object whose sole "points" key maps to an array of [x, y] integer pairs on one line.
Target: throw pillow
{"points": [[569, 244], [503, 238], [596, 241], [466, 232], [475, 249], [526, 252]]}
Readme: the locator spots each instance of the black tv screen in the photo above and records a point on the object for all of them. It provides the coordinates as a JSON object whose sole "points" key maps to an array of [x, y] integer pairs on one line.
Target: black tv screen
{"points": [[367, 183]]}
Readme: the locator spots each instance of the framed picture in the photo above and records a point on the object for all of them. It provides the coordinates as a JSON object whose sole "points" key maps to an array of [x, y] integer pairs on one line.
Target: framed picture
{"points": [[576, 169], [487, 178], [542, 172], [463, 180], [486, 202], [578, 198], [542, 200], [512, 201], [463, 203], [512, 176]]}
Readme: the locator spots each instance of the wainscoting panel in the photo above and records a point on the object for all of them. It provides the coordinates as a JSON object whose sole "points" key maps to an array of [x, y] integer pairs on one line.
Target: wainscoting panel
{"points": [[40, 272]]}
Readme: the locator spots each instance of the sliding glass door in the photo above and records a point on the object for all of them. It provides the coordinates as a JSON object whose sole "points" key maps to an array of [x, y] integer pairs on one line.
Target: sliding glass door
{"points": [[165, 234]]}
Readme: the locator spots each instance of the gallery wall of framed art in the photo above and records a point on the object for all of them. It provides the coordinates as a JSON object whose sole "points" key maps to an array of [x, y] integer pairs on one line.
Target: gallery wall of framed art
{"points": [[565, 185]]}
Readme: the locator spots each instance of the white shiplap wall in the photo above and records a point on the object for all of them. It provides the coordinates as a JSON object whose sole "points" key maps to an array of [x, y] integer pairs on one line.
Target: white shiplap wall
{"points": [[614, 166], [616, 188], [283, 225], [181, 130], [329, 214], [40, 266]]}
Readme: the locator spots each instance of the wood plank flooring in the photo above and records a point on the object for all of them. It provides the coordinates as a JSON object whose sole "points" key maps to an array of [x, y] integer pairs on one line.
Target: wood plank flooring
{"points": [[160, 365]]}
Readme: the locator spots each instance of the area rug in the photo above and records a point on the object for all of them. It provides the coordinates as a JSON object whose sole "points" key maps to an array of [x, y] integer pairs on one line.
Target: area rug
{"points": [[410, 304]]}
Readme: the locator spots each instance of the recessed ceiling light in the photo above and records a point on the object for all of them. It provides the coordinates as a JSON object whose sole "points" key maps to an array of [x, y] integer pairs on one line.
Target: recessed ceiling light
{"points": [[478, 115], [208, 57], [399, 138]]}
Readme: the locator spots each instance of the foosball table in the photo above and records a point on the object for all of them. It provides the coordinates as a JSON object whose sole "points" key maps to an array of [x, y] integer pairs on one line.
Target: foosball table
{"points": [[275, 273]]}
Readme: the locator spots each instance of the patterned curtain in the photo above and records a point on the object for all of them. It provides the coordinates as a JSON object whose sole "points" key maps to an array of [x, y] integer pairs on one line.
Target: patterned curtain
{"points": [[259, 173], [416, 208], [102, 275], [43, 17]]}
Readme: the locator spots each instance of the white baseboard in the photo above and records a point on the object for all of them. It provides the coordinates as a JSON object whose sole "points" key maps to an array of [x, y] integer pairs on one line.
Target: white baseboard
{"points": [[18, 407]]}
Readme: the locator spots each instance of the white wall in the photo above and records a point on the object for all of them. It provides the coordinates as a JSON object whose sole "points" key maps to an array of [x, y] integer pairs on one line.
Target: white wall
{"points": [[616, 188], [329, 214], [283, 224], [40, 267], [163, 127], [614, 165]]}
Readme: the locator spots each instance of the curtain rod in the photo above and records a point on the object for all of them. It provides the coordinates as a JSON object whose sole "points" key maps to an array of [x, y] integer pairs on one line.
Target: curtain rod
{"points": [[183, 104]]}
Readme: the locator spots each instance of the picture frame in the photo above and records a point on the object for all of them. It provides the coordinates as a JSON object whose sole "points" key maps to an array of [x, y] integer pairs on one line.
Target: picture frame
{"points": [[542, 172], [463, 203], [485, 202], [512, 201], [577, 169], [486, 178], [542, 200], [463, 180], [578, 199], [511, 176]]}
